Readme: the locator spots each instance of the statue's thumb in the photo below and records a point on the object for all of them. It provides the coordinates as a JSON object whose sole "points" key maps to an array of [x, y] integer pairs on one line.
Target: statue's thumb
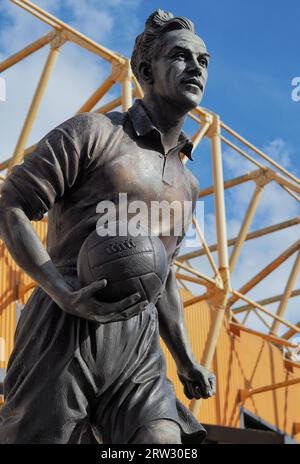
{"points": [[95, 287]]}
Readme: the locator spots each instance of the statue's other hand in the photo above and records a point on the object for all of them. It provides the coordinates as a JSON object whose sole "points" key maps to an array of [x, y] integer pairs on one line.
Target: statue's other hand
{"points": [[84, 302], [198, 382]]}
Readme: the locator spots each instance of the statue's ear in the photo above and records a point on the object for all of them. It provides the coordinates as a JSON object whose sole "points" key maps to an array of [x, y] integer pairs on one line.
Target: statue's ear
{"points": [[145, 72]]}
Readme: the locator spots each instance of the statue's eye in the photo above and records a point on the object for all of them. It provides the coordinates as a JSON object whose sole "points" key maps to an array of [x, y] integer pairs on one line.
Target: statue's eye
{"points": [[180, 55], [203, 62]]}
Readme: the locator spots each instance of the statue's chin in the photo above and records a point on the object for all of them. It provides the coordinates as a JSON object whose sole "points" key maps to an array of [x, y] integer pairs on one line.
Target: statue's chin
{"points": [[190, 102]]}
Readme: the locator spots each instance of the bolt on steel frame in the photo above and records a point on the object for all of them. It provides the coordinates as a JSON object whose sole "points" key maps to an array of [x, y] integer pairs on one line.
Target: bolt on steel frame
{"points": [[219, 293]]}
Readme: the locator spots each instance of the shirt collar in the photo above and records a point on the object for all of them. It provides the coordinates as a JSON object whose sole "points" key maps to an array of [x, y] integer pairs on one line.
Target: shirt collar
{"points": [[143, 125]]}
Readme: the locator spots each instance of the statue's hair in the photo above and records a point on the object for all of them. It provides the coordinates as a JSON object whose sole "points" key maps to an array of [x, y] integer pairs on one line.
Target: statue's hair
{"points": [[156, 25]]}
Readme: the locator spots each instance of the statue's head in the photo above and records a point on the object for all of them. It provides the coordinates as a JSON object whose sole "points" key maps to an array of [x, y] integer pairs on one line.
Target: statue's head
{"points": [[171, 60]]}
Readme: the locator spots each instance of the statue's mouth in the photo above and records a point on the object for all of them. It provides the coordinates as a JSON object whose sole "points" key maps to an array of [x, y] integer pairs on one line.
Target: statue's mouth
{"points": [[193, 81]]}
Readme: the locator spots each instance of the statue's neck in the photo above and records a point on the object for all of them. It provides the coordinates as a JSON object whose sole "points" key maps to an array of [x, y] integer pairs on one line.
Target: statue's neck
{"points": [[167, 119]]}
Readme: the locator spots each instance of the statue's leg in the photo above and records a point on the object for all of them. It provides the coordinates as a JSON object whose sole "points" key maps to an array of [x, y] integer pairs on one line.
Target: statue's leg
{"points": [[50, 410], [48, 386], [162, 431]]}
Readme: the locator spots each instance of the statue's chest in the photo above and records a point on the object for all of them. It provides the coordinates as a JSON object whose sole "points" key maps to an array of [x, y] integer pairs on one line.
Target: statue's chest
{"points": [[147, 175]]}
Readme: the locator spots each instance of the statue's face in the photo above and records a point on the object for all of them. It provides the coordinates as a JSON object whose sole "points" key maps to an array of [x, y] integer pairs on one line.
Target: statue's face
{"points": [[180, 69]]}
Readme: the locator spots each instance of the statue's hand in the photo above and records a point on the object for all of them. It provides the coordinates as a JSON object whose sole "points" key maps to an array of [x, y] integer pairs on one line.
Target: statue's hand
{"points": [[198, 382], [84, 302]]}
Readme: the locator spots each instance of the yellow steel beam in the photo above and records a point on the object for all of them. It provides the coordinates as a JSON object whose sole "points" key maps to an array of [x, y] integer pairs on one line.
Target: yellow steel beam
{"points": [[296, 428], [283, 181], [260, 153], [97, 95], [200, 134], [126, 83], [244, 394], [219, 304], [109, 106], [287, 293], [291, 332], [237, 328], [34, 107], [60, 25], [263, 320], [219, 197], [204, 278], [265, 272], [195, 118], [289, 364], [265, 301], [245, 226], [196, 139], [233, 182], [250, 236], [264, 310], [206, 249], [195, 300], [291, 193], [38, 15], [189, 278], [33, 47], [241, 152]]}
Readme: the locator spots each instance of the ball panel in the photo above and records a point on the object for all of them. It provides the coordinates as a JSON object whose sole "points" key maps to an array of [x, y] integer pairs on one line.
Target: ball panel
{"points": [[152, 285], [125, 267], [148, 286], [83, 266], [160, 257], [103, 251]]}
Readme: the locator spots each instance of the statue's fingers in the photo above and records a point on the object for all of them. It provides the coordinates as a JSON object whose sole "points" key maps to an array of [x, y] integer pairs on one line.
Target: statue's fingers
{"points": [[212, 382], [126, 302], [134, 310], [187, 392]]}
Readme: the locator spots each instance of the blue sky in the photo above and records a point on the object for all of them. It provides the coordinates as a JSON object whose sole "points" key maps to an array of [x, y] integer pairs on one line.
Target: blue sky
{"points": [[255, 55], [254, 48]]}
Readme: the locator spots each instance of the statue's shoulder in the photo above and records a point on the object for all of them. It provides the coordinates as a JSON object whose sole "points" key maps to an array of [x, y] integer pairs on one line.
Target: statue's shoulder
{"points": [[86, 120], [86, 126]]}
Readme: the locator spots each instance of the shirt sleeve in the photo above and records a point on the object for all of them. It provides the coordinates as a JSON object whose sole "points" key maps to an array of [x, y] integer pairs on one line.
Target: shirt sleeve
{"points": [[46, 174]]}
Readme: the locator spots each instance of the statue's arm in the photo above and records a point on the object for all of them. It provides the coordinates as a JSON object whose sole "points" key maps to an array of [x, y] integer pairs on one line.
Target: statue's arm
{"points": [[27, 194], [28, 252], [172, 325], [170, 307], [198, 382]]}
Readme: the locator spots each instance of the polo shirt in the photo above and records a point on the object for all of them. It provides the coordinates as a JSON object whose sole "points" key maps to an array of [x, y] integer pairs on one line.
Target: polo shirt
{"points": [[92, 158]]}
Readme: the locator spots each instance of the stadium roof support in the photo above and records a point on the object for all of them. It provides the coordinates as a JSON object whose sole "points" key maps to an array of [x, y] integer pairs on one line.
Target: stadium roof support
{"points": [[245, 394]]}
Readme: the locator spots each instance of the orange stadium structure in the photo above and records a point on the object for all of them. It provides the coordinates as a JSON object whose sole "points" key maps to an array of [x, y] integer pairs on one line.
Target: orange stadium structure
{"points": [[258, 371]]}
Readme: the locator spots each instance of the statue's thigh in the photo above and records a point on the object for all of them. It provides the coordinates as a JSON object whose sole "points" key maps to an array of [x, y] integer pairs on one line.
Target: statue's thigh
{"points": [[162, 431]]}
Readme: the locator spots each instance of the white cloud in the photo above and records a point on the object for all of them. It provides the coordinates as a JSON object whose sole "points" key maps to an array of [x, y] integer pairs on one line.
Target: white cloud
{"points": [[90, 18], [279, 151], [275, 204], [77, 72], [19, 25], [68, 88]]}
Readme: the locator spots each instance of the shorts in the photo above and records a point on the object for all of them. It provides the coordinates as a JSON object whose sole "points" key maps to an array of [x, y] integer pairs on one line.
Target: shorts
{"points": [[70, 380]]}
